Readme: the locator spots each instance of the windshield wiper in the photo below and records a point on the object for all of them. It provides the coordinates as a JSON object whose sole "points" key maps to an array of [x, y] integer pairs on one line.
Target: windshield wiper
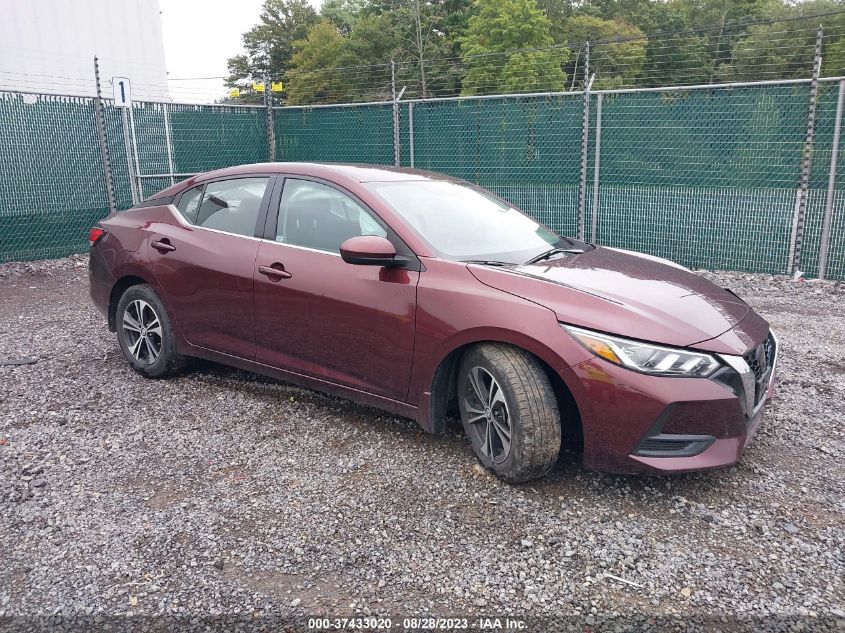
{"points": [[487, 262], [553, 251]]}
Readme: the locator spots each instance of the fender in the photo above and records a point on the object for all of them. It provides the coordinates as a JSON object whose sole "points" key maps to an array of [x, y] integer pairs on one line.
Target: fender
{"points": [[432, 402], [558, 359], [132, 267]]}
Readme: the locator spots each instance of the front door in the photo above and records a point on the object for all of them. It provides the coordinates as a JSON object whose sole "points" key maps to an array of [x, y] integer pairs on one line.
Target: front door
{"points": [[319, 316], [205, 263]]}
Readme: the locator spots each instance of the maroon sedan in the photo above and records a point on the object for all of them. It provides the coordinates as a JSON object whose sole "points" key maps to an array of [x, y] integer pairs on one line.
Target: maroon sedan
{"points": [[427, 296]]}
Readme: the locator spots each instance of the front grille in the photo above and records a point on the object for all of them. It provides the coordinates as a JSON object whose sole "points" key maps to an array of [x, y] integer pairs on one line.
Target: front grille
{"points": [[757, 360], [760, 361], [769, 349]]}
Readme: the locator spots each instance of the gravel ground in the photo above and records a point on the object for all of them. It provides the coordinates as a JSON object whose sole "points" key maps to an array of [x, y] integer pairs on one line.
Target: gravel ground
{"points": [[224, 493]]}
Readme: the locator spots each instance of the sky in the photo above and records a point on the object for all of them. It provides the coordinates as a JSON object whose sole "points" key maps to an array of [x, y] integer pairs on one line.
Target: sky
{"points": [[199, 36]]}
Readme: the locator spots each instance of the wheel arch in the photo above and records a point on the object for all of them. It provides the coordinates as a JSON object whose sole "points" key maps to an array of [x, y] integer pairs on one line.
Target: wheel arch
{"points": [[442, 397], [120, 286]]}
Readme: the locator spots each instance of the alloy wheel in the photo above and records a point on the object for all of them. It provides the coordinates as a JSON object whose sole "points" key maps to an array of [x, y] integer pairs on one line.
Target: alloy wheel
{"points": [[142, 331], [487, 414]]}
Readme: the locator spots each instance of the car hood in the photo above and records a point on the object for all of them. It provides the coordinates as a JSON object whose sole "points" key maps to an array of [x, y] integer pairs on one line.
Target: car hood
{"points": [[626, 293]]}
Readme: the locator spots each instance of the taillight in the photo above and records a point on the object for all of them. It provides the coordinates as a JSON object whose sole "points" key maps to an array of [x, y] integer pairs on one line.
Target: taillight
{"points": [[95, 234]]}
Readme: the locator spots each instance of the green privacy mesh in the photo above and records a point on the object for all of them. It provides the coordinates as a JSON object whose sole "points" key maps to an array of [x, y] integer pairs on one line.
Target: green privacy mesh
{"points": [[355, 134], [706, 177], [51, 176]]}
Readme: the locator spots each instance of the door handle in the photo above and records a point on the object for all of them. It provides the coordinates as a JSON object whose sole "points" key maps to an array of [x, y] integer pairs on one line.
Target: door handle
{"points": [[276, 270], [163, 246]]}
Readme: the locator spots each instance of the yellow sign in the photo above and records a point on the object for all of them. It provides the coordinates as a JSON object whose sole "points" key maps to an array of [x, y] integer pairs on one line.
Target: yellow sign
{"points": [[257, 87], [277, 86], [234, 93]]}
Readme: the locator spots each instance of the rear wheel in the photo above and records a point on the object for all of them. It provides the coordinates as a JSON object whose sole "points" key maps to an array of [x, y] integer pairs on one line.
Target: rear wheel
{"points": [[509, 411], [145, 333]]}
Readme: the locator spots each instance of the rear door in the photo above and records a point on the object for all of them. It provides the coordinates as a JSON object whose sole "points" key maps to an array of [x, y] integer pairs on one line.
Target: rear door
{"points": [[205, 261], [319, 316]]}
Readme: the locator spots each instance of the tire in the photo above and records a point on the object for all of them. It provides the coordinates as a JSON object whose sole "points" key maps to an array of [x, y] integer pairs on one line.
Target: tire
{"points": [[155, 356], [523, 401]]}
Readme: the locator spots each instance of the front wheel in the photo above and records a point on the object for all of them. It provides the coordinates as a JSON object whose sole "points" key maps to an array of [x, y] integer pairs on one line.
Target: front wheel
{"points": [[509, 411], [145, 333]]}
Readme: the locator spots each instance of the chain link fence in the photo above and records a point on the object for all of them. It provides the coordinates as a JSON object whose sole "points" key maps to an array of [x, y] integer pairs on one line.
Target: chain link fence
{"points": [[51, 177], [709, 176], [359, 133], [523, 148], [723, 161]]}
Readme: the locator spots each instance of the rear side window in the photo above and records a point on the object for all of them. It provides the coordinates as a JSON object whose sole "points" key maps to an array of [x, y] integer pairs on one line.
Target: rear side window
{"points": [[226, 205], [189, 204]]}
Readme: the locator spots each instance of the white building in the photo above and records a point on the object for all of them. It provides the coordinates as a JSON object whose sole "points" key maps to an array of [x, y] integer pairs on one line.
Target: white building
{"points": [[48, 46]]}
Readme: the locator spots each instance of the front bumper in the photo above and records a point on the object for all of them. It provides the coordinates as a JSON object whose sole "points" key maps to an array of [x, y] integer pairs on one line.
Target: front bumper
{"points": [[634, 423]]}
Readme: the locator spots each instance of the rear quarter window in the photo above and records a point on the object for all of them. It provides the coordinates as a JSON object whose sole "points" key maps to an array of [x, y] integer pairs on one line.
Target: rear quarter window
{"points": [[190, 202]]}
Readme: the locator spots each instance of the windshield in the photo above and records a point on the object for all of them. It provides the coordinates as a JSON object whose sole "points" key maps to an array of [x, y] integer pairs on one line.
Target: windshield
{"points": [[463, 222]]}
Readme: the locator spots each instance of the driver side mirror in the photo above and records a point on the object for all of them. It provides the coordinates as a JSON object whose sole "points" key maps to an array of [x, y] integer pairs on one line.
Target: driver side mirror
{"points": [[369, 250]]}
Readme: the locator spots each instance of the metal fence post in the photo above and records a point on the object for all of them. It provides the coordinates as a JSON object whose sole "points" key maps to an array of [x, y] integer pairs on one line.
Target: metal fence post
{"points": [[596, 167], [411, 132], [127, 148], [271, 132], [797, 241], [395, 113], [585, 142], [169, 140], [135, 153], [100, 122], [831, 184]]}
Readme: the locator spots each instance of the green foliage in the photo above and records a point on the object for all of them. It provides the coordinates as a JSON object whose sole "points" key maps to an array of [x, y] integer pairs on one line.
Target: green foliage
{"points": [[330, 67], [833, 63], [449, 47], [271, 44], [786, 48], [428, 35], [373, 40], [343, 13], [619, 52], [314, 78], [677, 54], [494, 50]]}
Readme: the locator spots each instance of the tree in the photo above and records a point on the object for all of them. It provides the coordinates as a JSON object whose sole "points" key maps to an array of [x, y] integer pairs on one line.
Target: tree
{"points": [[506, 49], [422, 38], [724, 23], [373, 41], [786, 49], [833, 62], [369, 48], [428, 33], [343, 13], [314, 76], [617, 49], [271, 44], [558, 11], [676, 54], [330, 67]]}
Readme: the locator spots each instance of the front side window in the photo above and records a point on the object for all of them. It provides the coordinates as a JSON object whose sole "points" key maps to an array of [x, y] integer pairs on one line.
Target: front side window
{"points": [[464, 222], [226, 205], [317, 216]]}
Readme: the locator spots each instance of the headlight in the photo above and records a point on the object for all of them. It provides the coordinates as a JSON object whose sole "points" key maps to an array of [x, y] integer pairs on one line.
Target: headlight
{"points": [[645, 357]]}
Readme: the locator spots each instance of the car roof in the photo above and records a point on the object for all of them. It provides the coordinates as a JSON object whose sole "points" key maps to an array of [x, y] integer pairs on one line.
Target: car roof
{"points": [[330, 171], [354, 171]]}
